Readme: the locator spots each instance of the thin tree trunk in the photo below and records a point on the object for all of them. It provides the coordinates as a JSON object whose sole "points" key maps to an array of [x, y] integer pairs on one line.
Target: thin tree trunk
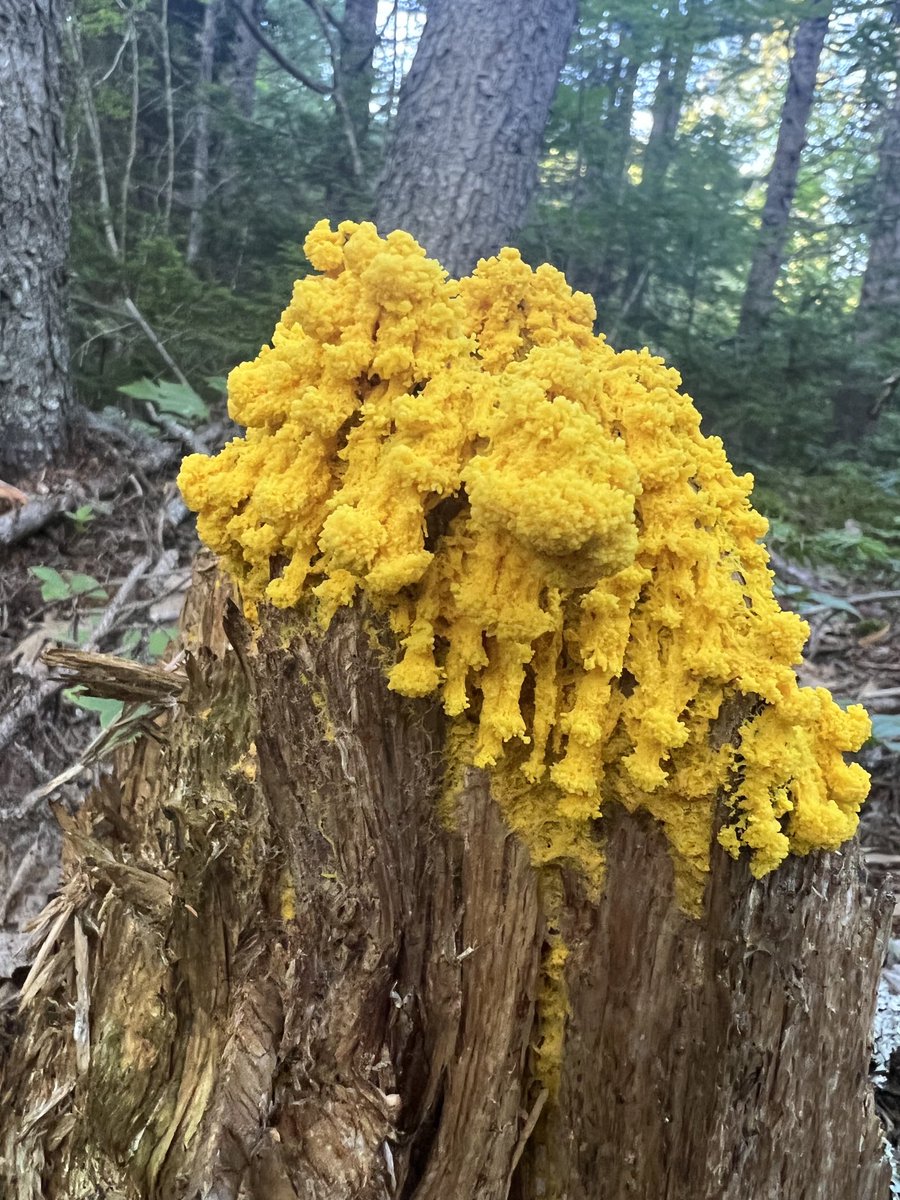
{"points": [[350, 193], [857, 403], [36, 399], [358, 38], [279, 972], [768, 256], [879, 301], [668, 101], [605, 181], [463, 162], [168, 188], [659, 153], [206, 45], [245, 59]]}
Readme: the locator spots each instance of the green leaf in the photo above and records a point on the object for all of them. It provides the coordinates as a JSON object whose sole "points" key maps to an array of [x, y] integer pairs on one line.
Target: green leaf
{"points": [[56, 586], [159, 640], [108, 710], [53, 586], [82, 515], [836, 602], [886, 731], [87, 585], [177, 399]]}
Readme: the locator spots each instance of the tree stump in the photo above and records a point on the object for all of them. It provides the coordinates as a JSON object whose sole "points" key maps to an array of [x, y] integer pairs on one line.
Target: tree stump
{"points": [[293, 957]]}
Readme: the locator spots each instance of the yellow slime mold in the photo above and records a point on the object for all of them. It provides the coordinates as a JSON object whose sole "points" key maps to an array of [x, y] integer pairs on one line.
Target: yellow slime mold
{"points": [[561, 552]]}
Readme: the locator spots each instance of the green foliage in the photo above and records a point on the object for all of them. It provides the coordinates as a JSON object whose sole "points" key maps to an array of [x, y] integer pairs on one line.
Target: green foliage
{"points": [[107, 710], [886, 731], [160, 639], [845, 517], [82, 517], [67, 585], [177, 399]]}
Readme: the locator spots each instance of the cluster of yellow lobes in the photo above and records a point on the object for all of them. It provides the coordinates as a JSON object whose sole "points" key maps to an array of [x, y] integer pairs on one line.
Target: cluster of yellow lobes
{"points": [[564, 557]]}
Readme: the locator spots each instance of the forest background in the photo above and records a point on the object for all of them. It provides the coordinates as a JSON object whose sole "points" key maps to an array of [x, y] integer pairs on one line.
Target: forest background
{"points": [[206, 138]]}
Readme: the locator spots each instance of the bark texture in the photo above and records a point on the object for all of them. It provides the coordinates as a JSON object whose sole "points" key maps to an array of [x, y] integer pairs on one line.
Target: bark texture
{"points": [[463, 162], [292, 957], [768, 256], [668, 101], [35, 395]]}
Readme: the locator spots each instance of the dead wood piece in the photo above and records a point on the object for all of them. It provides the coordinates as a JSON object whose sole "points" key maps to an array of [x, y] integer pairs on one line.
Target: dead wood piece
{"points": [[28, 518], [116, 678]]}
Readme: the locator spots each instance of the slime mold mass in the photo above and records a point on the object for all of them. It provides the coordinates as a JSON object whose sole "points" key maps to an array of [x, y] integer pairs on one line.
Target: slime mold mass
{"points": [[565, 559]]}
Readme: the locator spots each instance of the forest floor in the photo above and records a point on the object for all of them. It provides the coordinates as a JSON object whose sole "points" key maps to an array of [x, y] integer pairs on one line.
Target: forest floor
{"points": [[108, 571]]}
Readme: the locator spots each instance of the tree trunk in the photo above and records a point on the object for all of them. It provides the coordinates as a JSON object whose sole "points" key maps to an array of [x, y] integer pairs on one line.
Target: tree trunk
{"points": [[292, 959], [245, 60], [36, 398], [605, 182], [879, 301], [358, 38], [857, 402], [463, 163], [350, 194], [668, 101], [768, 256], [206, 45]]}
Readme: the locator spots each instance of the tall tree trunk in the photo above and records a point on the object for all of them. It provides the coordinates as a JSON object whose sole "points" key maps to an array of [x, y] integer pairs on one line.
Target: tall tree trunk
{"points": [[768, 256], [879, 301], [858, 401], [350, 193], [358, 38], [463, 163], [659, 153], [245, 59], [668, 101], [206, 46], [604, 183], [36, 398]]}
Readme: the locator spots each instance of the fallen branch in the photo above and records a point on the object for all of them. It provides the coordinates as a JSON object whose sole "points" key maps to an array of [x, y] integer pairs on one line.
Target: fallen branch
{"points": [[30, 517]]}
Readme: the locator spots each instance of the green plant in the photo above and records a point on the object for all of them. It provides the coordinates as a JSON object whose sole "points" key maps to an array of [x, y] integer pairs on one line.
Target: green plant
{"points": [[159, 640], [66, 585], [82, 517], [176, 399], [886, 731], [107, 710]]}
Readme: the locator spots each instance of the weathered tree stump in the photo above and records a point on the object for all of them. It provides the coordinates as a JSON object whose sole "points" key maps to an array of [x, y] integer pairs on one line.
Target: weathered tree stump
{"points": [[292, 958]]}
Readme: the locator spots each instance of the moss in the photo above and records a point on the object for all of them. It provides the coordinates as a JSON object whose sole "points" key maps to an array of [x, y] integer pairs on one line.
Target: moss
{"points": [[561, 553]]}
